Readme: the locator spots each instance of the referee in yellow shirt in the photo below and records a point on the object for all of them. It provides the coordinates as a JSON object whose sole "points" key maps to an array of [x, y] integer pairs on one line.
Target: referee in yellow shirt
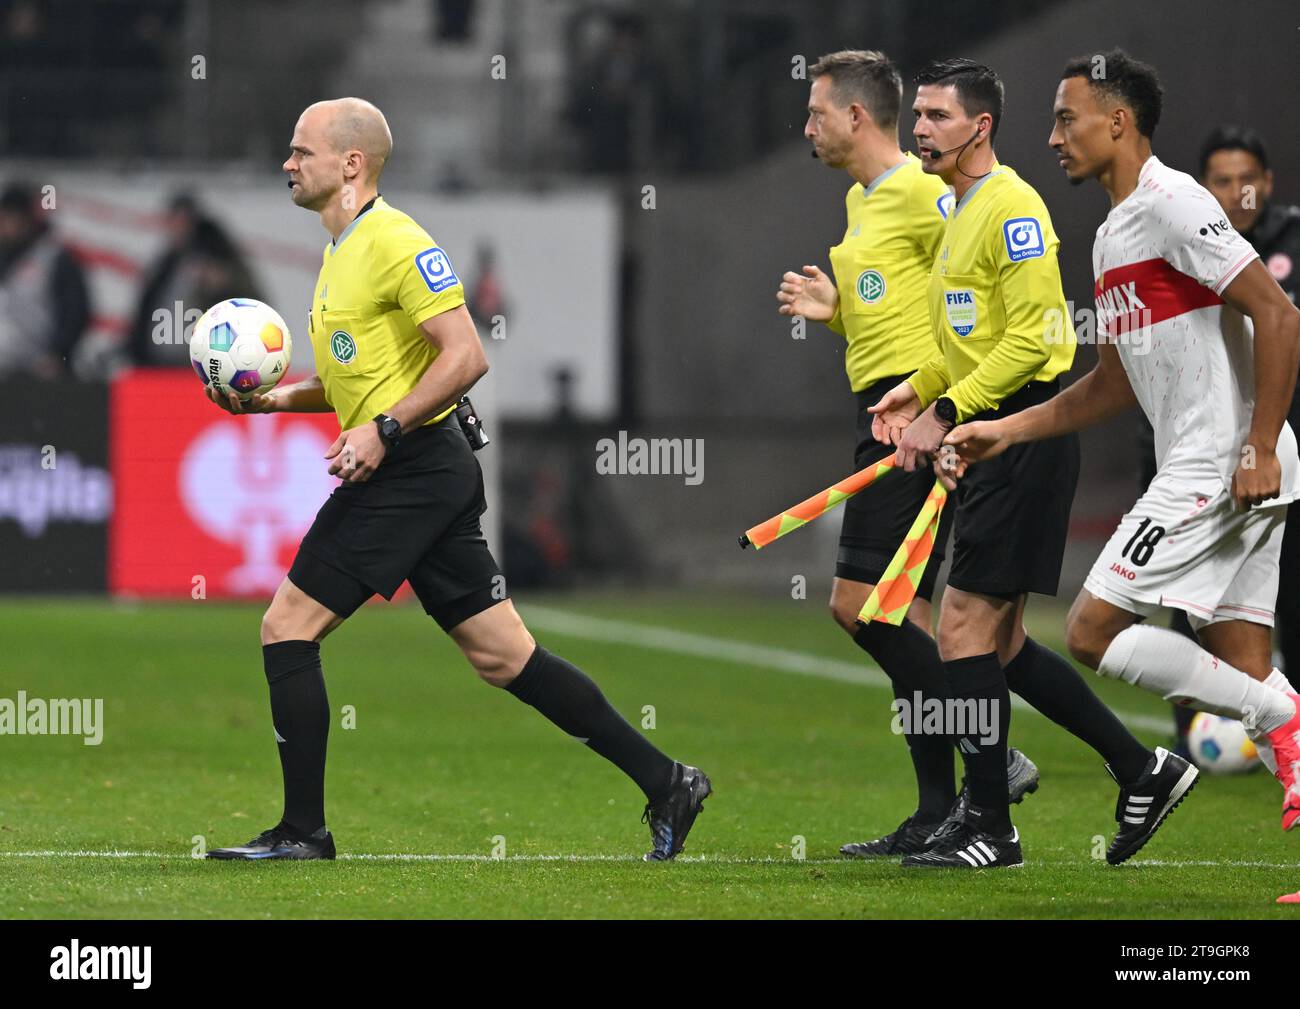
{"points": [[395, 351], [877, 302], [1005, 336]]}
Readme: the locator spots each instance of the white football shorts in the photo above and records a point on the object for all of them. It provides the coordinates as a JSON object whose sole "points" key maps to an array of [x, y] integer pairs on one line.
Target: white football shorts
{"points": [[1184, 546]]}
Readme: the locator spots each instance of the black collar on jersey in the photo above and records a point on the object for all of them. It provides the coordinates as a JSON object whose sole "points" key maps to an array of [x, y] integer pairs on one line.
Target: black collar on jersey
{"points": [[368, 205]]}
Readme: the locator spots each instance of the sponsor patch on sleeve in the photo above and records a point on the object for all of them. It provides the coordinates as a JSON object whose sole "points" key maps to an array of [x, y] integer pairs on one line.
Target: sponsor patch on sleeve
{"points": [[435, 268], [1024, 238]]}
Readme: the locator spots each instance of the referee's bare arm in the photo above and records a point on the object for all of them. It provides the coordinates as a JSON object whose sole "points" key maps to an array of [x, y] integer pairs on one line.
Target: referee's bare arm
{"points": [[307, 396], [459, 364]]}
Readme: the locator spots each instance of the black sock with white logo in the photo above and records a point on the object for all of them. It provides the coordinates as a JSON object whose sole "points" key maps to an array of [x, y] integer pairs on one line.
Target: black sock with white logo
{"points": [[910, 658], [979, 679], [301, 716], [1054, 687], [570, 698]]}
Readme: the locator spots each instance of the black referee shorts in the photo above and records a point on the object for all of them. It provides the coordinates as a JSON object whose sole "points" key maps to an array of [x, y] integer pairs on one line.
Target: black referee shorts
{"points": [[416, 519], [877, 519], [1013, 511]]}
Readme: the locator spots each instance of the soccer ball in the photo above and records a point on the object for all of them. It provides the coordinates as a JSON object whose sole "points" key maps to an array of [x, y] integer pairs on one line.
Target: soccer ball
{"points": [[240, 346], [1220, 745]]}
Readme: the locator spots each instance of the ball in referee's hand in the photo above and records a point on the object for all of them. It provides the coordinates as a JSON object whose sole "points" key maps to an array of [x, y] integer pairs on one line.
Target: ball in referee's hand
{"points": [[242, 346]]}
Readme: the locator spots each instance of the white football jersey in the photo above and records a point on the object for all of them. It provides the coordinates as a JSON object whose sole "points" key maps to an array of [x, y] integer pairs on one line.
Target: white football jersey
{"points": [[1161, 260]]}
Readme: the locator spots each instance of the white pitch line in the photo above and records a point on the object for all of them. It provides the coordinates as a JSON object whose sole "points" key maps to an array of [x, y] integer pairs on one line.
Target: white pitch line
{"points": [[1229, 863], [697, 859], [665, 639], [428, 857]]}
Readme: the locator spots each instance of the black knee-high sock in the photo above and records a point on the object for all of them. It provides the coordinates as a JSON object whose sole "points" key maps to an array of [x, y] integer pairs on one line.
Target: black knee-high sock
{"points": [[301, 714], [979, 678], [1054, 687], [910, 659], [569, 698]]}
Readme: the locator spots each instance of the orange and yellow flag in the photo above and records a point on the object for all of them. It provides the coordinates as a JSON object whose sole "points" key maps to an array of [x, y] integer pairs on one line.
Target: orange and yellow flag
{"points": [[819, 504], [890, 598]]}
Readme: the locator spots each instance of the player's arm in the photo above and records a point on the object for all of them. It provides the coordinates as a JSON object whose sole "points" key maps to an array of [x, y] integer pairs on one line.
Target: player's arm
{"points": [[1195, 237], [459, 364], [307, 396], [1255, 293], [1099, 395]]}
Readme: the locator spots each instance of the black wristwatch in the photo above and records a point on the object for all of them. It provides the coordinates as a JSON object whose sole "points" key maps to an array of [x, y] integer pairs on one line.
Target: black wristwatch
{"points": [[946, 410], [390, 430]]}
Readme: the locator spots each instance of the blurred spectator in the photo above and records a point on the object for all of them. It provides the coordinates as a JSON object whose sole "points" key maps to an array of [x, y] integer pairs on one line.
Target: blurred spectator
{"points": [[29, 96], [199, 266], [79, 77], [453, 20], [1235, 168], [611, 90], [486, 295], [44, 301]]}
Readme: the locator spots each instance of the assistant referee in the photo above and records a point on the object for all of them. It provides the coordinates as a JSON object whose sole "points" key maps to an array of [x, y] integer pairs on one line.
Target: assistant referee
{"points": [[895, 216], [1006, 336], [395, 351]]}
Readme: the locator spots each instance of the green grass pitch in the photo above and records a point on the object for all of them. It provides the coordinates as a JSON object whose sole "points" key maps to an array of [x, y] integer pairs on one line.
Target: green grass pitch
{"points": [[760, 693]]}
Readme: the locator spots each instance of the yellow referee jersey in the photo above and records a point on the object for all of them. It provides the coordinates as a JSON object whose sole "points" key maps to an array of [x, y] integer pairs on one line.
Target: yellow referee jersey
{"points": [[999, 315], [380, 280], [893, 232]]}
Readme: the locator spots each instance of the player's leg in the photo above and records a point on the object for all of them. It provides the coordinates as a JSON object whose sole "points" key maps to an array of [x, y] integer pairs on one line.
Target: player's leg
{"points": [[980, 834], [460, 585], [909, 657], [1248, 646], [875, 522], [1239, 633], [970, 627], [1222, 566], [1195, 550], [1009, 540], [293, 627], [504, 654], [1288, 596]]}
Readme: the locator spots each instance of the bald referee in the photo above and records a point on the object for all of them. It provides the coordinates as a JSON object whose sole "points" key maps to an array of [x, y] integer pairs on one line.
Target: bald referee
{"points": [[395, 351], [1005, 334], [876, 301]]}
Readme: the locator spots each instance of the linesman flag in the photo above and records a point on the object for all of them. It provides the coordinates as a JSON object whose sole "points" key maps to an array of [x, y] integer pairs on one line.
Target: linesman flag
{"points": [[894, 593], [819, 504]]}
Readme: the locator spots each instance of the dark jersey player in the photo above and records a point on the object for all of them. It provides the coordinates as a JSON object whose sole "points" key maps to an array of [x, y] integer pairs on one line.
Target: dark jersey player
{"points": [[395, 351]]}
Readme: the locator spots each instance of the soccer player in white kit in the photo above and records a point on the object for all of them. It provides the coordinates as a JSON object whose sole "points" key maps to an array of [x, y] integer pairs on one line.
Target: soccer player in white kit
{"points": [[1192, 327]]}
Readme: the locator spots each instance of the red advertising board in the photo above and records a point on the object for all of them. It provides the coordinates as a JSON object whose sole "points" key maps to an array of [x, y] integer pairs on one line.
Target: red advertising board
{"points": [[202, 494]]}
